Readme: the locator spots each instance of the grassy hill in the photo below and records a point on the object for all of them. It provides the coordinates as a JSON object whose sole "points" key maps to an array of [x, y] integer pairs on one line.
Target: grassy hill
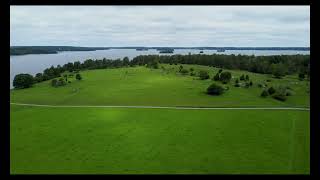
{"points": [[120, 140]]}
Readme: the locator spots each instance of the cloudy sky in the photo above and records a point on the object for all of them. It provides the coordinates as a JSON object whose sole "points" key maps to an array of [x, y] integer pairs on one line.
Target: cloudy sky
{"points": [[160, 25]]}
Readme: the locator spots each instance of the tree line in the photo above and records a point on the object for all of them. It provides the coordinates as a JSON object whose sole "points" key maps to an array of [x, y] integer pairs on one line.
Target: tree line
{"points": [[278, 65]]}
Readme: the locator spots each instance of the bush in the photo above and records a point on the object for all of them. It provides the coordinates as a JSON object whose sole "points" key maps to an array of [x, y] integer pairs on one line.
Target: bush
{"points": [[247, 78], [220, 71], [242, 77], [180, 68], [268, 80], [237, 85], [237, 80], [215, 89], [204, 75], [271, 90], [280, 97], [251, 83], [21, 81], [247, 85], [184, 71], [264, 93], [260, 85], [191, 69], [78, 77], [225, 77], [216, 77], [192, 74], [301, 76]]}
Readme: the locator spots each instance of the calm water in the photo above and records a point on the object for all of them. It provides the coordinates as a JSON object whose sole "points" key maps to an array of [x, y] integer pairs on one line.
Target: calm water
{"points": [[35, 63]]}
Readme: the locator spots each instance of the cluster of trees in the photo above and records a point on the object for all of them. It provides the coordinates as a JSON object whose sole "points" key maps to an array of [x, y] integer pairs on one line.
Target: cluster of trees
{"points": [[215, 89], [22, 81], [224, 77], [279, 93], [63, 81], [278, 65]]}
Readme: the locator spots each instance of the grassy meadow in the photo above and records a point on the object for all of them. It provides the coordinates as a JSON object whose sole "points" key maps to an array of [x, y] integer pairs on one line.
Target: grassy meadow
{"points": [[57, 140]]}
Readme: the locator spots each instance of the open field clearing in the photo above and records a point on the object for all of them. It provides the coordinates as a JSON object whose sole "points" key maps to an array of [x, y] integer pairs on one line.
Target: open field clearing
{"points": [[140, 86], [97, 140]]}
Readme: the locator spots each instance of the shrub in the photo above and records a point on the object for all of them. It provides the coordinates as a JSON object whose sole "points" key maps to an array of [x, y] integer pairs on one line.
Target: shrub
{"points": [[220, 71], [203, 75], [78, 77], [260, 85], [268, 80], [280, 97], [216, 77], [225, 77], [184, 71], [23, 81], [247, 78], [301, 76], [264, 93], [237, 84], [251, 83], [180, 68], [191, 69], [237, 80], [69, 81], [271, 90], [247, 85], [242, 77], [215, 89]]}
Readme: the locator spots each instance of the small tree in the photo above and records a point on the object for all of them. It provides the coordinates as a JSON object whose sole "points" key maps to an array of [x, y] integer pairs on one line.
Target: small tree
{"points": [[215, 89], [204, 75], [184, 71], [225, 77], [78, 77], [216, 77], [23, 81], [301, 76], [242, 77], [271, 90], [180, 68], [264, 93], [247, 77]]}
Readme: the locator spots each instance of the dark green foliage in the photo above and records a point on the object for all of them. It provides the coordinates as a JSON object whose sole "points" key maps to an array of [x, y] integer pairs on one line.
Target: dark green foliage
{"points": [[180, 68], [251, 83], [301, 76], [215, 89], [191, 69], [264, 93], [247, 85], [184, 71], [220, 71], [268, 80], [237, 84], [61, 82], [38, 77], [225, 77], [242, 77], [78, 77], [237, 80], [153, 64], [278, 70], [192, 74], [247, 77], [216, 77], [271, 90], [21, 81], [204, 75], [280, 97]]}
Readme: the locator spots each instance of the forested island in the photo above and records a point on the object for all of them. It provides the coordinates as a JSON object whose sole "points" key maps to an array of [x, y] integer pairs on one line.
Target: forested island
{"points": [[23, 50]]}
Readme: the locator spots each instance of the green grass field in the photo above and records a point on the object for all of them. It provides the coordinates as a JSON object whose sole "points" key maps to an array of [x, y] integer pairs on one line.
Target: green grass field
{"points": [[49, 140]]}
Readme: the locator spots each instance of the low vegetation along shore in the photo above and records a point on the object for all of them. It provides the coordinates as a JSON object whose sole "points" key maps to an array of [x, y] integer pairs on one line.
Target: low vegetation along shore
{"points": [[119, 140]]}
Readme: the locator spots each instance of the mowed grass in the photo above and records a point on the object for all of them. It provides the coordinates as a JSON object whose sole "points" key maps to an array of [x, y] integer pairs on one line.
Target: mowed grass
{"points": [[151, 87], [119, 141]]}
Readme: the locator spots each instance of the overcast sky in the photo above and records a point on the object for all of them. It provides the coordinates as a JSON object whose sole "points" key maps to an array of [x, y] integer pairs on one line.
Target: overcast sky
{"points": [[160, 25]]}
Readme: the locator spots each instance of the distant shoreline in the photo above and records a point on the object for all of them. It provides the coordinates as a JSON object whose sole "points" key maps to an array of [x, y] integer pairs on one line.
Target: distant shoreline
{"points": [[24, 50]]}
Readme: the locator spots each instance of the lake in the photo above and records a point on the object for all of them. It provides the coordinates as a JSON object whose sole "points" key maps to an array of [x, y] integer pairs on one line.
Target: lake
{"points": [[36, 63]]}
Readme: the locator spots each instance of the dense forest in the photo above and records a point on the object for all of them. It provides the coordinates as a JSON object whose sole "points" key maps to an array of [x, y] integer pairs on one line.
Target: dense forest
{"points": [[279, 65], [22, 50]]}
